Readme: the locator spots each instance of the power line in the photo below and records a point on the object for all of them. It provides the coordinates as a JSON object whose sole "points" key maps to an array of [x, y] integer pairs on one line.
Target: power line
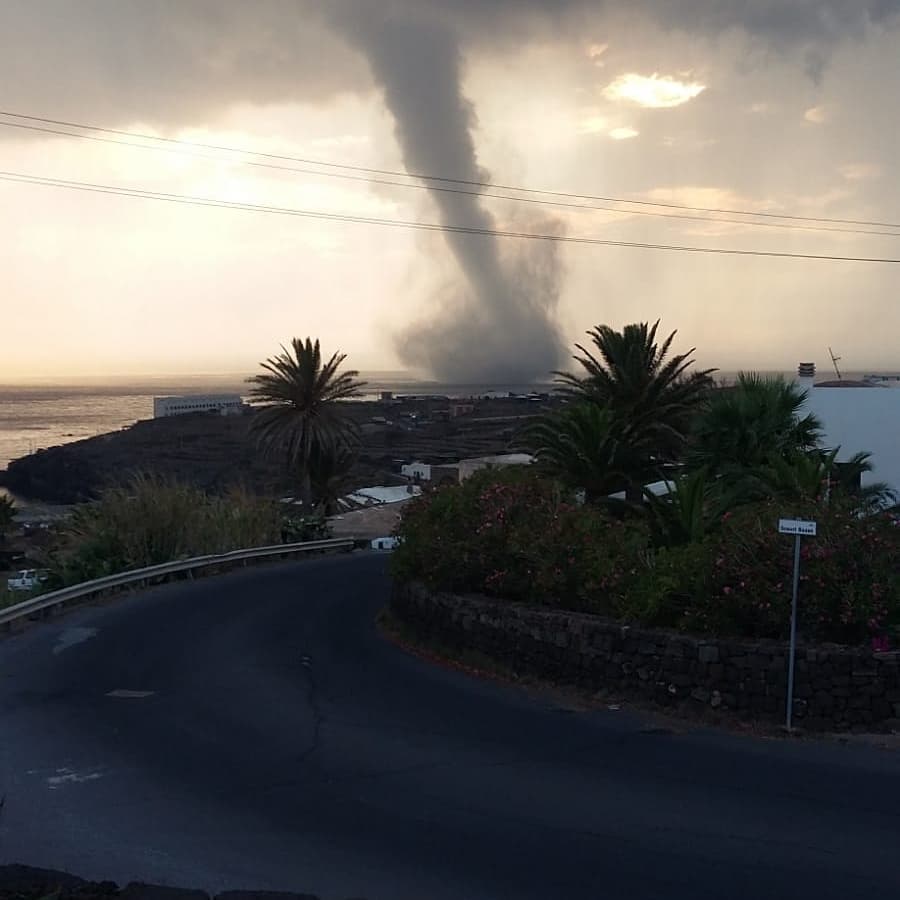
{"points": [[448, 180], [368, 179], [418, 226]]}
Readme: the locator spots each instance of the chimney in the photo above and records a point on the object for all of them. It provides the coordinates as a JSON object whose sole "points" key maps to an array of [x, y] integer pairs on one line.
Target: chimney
{"points": [[806, 374]]}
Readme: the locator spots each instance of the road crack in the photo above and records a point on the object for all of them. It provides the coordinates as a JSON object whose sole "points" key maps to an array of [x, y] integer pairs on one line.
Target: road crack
{"points": [[312, 698]]}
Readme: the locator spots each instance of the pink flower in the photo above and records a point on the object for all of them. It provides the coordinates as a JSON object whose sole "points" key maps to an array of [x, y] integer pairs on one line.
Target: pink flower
{"points": [[726, 590]]}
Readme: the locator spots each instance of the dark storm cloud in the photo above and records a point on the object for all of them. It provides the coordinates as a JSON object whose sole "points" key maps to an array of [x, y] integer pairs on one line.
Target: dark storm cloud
{"points": [[797, 21], [179, 60], [168, 62]]}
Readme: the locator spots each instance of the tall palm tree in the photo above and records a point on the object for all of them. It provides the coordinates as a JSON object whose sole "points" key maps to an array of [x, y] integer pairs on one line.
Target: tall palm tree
{"points": [[634, 376], [649, 398], [299, 414], [749, 426]]}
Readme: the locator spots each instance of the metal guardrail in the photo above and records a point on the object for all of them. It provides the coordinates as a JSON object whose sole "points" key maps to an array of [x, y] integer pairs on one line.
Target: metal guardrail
{"points": [[55, 600]]}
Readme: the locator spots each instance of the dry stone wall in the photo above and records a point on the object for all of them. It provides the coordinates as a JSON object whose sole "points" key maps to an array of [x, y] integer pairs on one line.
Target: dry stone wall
{"points": [[835, 689]]}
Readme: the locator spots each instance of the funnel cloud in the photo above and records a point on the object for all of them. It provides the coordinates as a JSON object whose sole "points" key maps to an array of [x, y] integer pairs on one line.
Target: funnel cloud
{"points": [[499, 324], [329, 79]]}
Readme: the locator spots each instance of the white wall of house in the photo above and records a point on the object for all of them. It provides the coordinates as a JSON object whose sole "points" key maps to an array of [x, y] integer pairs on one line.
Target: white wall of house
{"points": [[865, 419]]}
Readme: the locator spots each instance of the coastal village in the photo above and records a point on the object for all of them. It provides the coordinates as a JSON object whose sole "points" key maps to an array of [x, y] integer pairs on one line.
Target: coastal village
{"points": [[408, 443]]}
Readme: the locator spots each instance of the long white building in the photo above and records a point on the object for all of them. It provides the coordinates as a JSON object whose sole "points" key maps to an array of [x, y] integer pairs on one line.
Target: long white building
{"points": [[224, 404]]}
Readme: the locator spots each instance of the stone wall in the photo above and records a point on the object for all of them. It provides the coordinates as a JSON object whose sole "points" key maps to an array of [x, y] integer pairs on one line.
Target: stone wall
{"points": [[835, 688]]}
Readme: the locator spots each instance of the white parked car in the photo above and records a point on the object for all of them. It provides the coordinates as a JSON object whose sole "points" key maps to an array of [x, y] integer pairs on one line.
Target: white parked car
{"points": [[26, 580]]}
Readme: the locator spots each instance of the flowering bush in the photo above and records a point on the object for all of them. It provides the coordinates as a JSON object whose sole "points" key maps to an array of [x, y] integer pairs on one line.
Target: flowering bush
{"points": [[739, 580], [515, 535]]}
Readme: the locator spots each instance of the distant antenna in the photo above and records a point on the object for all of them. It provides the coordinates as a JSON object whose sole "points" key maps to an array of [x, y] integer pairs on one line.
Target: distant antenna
{"points": [[834, 361]]}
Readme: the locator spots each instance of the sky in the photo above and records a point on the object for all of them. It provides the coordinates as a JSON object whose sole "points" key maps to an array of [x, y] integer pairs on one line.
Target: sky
{"points": [[749, 105]]}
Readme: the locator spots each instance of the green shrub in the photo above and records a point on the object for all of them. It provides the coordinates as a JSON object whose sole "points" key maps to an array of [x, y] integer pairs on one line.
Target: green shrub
{"points": [[516, 535], [296, 529], [8, 597], [152, 520]]}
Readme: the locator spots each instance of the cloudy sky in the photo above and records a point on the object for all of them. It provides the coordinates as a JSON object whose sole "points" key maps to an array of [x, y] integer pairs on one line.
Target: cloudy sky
{"points": [[750, 105]]}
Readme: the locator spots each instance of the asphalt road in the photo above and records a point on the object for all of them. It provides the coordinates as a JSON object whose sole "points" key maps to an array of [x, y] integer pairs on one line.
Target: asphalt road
{"points": [[253, 730]]}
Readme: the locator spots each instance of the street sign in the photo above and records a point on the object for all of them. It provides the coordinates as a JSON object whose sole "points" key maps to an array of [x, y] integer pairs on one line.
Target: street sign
{"points": [[797, 526]]}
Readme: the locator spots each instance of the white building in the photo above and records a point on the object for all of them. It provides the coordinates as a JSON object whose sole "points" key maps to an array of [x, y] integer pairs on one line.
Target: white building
{"points": [[860, 417], [224, 404]]}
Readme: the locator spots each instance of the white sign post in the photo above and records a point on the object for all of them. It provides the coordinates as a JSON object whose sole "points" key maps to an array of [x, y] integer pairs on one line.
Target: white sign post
{"points": [[798, 528]]}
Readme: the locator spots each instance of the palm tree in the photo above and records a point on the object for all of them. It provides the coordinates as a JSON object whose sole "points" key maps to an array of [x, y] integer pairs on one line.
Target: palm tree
{"points": [[692, 507], [635, 377], [749, 426], [818, 476], [587, 447], [299, 414], [648, 398], [847, 476]]}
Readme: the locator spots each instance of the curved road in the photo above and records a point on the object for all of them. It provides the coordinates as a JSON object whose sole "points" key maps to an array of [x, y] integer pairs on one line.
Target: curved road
{"points": [[253, 730]]}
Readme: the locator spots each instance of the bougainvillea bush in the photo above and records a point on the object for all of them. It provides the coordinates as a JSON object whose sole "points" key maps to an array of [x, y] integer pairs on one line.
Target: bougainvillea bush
{"points": [[739, 579], [515, 535], [518, 536]]}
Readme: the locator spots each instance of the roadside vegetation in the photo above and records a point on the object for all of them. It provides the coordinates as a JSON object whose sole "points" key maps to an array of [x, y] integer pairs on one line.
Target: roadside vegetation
{"points": [[299, 419], [151, 520], [8, 597], [582, 530]]}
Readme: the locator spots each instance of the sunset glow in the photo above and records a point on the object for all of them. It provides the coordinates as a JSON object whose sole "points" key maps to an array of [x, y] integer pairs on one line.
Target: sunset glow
{"points": [[654, 91]]}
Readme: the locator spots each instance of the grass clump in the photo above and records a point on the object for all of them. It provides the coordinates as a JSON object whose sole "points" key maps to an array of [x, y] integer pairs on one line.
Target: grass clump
{"points": [[152, 520]]}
